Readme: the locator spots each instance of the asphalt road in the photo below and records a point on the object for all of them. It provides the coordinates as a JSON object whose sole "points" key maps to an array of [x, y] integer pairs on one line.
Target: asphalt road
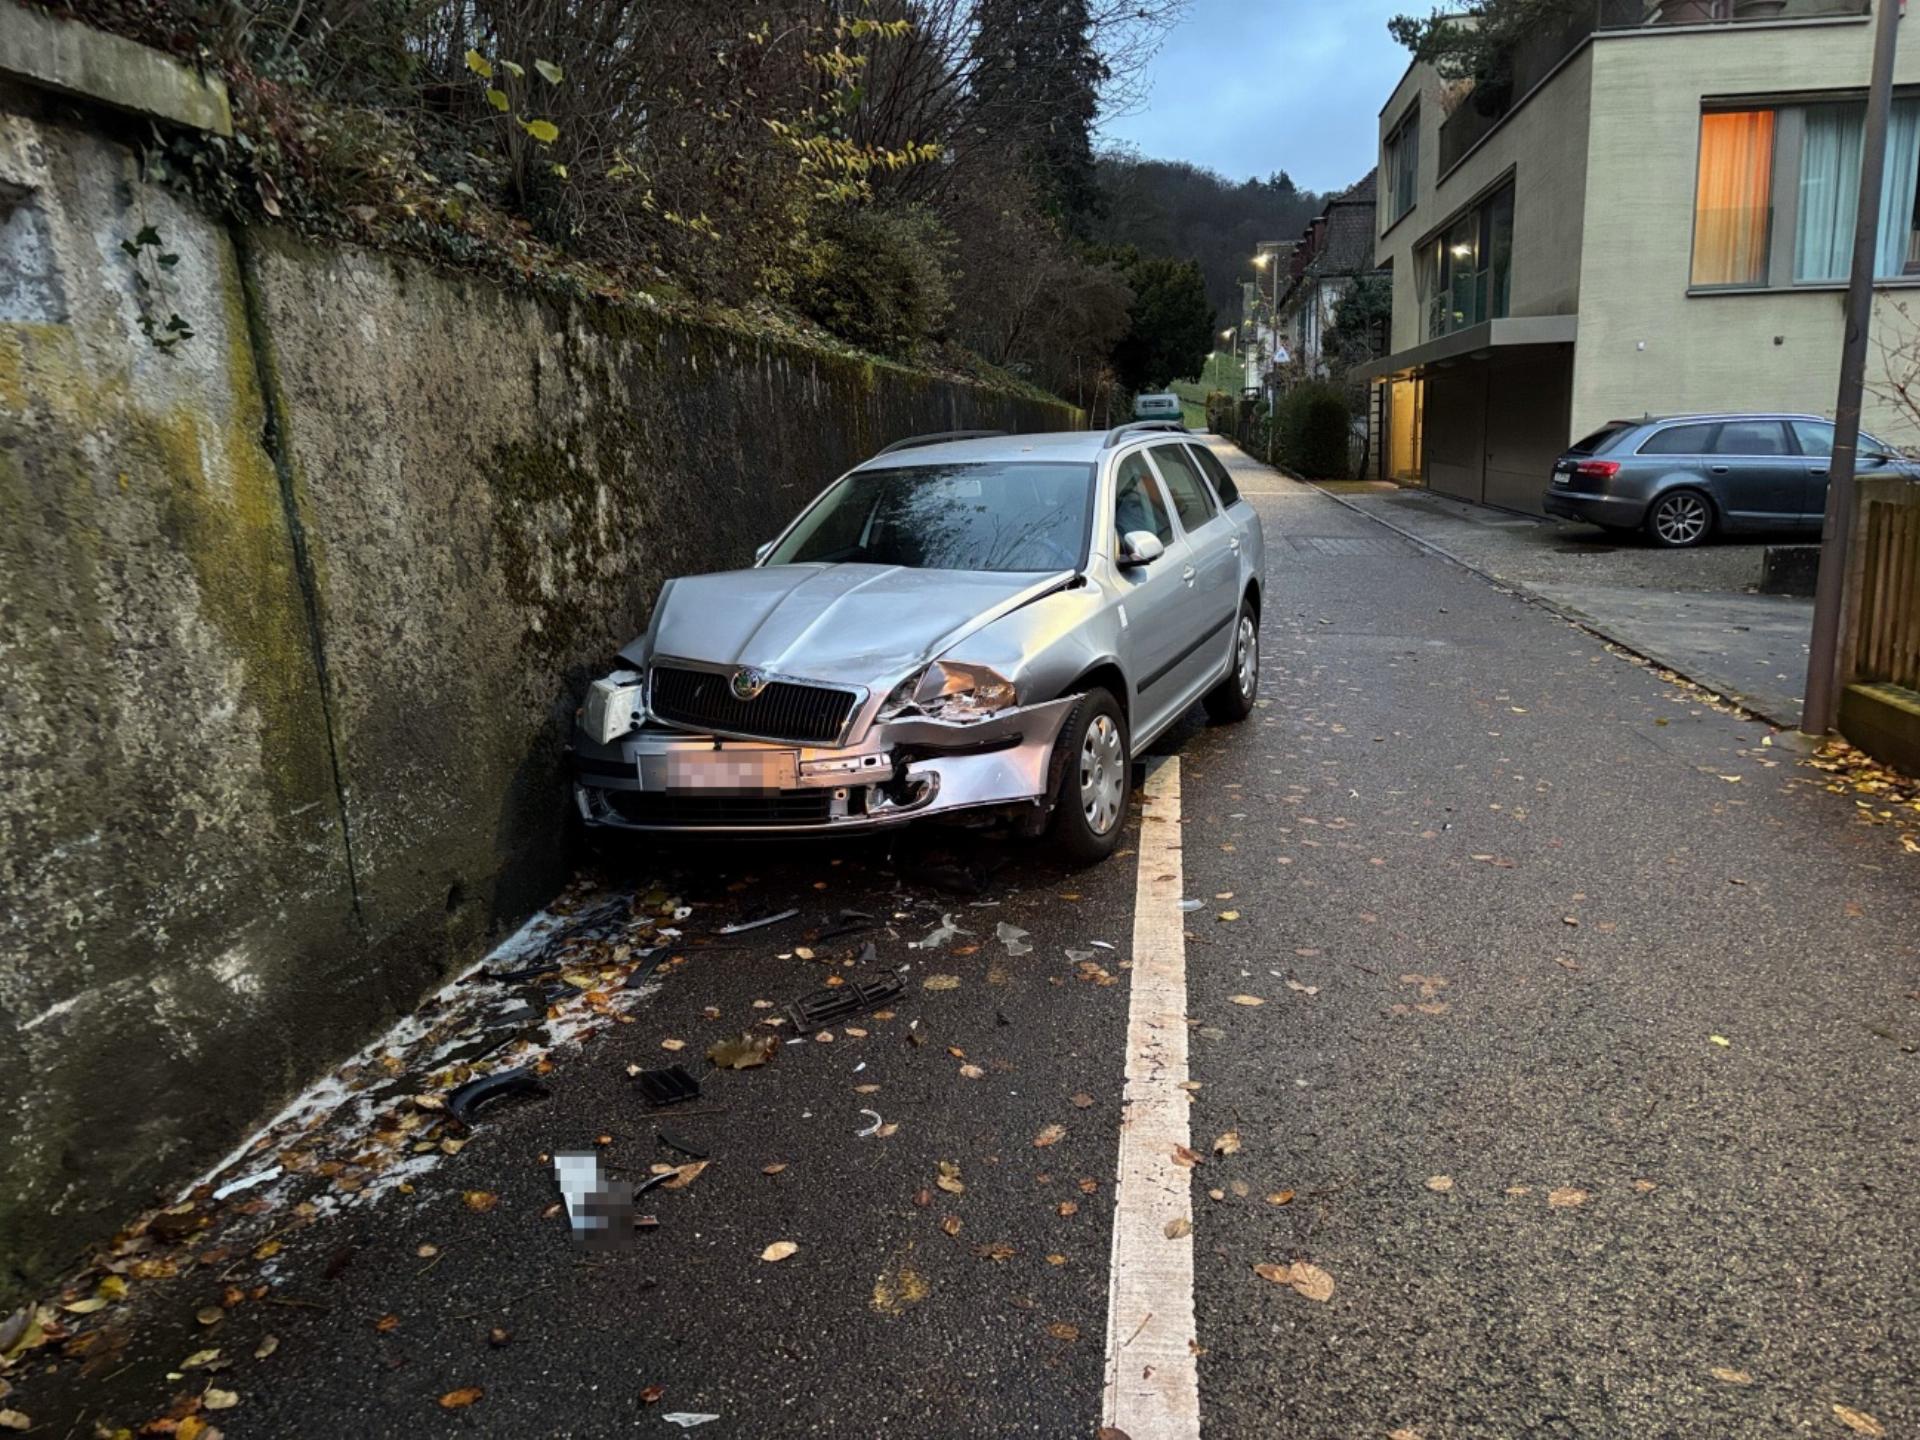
{"points": [[1586, 1060]]}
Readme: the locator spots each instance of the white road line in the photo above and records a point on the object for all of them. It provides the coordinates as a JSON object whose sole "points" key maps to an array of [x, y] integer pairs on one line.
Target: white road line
{"points": [[1153, 1379]]}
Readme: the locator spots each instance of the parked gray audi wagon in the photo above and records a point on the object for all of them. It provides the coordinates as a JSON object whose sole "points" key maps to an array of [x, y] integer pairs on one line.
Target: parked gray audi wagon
{"points": [[1682, 478], [965, 624]]}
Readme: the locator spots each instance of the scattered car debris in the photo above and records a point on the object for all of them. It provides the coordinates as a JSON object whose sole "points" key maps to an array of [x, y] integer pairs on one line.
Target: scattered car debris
{"points": [[873, 1129], [667, 1087], [1189, 906], [650, 959], [761, 923], [463, 1102], [819, 1008], [599, 1210], [851, 922], [1014, 938], [939, 935], [686, 1419], [745, 1053], [674, 1142]]}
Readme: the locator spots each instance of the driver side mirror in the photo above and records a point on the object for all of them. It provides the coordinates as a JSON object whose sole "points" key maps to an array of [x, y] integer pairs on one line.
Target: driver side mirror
{"points": [[1140, 547], [760, 552]]}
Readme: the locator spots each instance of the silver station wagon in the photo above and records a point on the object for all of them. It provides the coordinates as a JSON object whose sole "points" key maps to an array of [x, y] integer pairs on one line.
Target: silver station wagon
{"points": [[966, 625]]}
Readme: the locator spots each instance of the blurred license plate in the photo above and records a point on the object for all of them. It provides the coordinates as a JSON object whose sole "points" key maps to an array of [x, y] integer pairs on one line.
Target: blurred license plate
{"points": [[739, 771]]}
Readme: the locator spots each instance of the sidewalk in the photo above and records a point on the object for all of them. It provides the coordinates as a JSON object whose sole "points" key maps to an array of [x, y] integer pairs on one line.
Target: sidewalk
{"points": [[1693, 610]]}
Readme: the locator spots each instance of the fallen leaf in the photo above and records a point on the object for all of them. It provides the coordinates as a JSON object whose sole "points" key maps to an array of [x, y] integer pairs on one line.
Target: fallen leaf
{"points": [[1303, 989], [1859, 1421], [1246, 1000], [1178, 1227], [940, 982], [1311, 1281], [1111, 1432], [1060, 1330], [1089, 1185], [1229, 915], [949, 1180], [1644, 1186], [745, 1052], [1278, 1274], [779, 1250], [951, 1224], [1052, 1135], [997, 1252], [219, 1399], [1519, 1189], [1280, 1197], [15, 1420], [1442, 1183], [685, 1175], [1565, 1197], [673, 1044], [773, 1169], [1082, 1101], [1720, 1040], [481, 1201], [1189, 1158], [1732, 1377], [461, 1398], [651, 1394], [1056, 1259], [387, 1324], [86, 1307], [199, 1359], [1404, 1433], [266, 1347], [1227, 1144], [972, 1072]]}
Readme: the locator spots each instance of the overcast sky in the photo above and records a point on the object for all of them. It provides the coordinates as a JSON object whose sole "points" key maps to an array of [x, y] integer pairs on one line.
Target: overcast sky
{"points": [[1247, 87]]}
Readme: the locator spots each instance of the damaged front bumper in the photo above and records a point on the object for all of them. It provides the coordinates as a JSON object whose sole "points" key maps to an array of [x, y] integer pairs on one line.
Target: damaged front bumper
{"points": [[658, 779]]}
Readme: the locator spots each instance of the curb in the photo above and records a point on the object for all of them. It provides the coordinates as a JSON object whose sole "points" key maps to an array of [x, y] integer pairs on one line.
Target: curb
{"points": [[1579, 622]]}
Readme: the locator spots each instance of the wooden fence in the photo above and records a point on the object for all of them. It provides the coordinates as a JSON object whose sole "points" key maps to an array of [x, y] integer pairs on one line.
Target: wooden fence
{"points": [[1884, 644]]}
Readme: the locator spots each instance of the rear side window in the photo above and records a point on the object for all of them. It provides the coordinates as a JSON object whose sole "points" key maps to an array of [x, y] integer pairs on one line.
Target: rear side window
{"points": [[1751, 437], [1190, 497], [1223, 485], [1598, 441], [1816, 438], [1136, 502], [1681, 440]]}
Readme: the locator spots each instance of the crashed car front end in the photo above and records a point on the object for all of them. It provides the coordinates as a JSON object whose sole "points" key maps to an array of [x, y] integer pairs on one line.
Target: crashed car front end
{"points": [[681, 745]]}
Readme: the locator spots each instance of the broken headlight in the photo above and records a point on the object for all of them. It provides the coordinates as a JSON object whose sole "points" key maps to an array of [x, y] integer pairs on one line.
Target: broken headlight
{"points": [[947, 690], [615, 704]]}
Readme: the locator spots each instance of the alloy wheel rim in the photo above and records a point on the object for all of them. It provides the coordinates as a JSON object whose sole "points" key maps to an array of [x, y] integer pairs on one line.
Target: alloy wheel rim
{"points": [[1249, 668], [1102, 774], [1681, 519]]}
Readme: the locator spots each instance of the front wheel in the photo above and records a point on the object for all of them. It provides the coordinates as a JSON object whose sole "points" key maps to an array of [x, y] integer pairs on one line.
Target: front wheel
{"points": [[1096, 778], [1680, 518], [1232, 699]]}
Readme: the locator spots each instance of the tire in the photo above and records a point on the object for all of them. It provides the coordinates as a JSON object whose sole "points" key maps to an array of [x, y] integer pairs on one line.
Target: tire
{"points": [[1095, 762], [1680, 519], [1232, 700]]}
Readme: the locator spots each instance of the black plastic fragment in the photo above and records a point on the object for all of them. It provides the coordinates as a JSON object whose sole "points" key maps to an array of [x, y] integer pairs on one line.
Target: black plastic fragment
{"points": [[674, 1142], [852, 922], [763, 921], [667, 1087], [462, 1103], [828, 1007], [650, 960]]}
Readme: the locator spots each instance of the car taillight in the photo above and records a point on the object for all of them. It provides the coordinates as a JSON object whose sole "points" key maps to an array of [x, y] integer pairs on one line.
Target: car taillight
{"points": [[1598, 469]]}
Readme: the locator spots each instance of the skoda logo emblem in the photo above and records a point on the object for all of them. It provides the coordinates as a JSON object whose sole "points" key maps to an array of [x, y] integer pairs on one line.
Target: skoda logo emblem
{"points": [[747, 684]]}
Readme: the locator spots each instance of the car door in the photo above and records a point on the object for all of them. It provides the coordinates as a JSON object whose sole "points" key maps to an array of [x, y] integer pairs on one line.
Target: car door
{"points": [[1153, 597], [1213, 570], [1760, 478], [1245, 522], [1815, 438]]}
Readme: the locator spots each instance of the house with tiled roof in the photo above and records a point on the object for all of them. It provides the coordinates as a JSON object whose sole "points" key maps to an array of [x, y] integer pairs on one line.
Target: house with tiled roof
{"points": [[1334, 251]]}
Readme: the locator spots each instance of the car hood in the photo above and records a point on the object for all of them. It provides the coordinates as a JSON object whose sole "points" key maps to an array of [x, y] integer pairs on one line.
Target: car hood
{"points": [[854, 624]]}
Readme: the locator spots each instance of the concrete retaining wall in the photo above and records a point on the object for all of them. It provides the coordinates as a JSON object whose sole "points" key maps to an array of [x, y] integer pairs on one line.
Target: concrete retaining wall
{"points": [[292, 623]]}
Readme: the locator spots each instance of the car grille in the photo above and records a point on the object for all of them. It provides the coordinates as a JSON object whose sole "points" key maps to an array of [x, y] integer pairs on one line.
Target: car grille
{"points": [[810, 714], [784, 807]]}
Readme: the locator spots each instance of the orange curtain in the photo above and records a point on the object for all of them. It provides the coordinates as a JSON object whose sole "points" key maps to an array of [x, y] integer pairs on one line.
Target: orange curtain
{"points": [[1732, 212]]}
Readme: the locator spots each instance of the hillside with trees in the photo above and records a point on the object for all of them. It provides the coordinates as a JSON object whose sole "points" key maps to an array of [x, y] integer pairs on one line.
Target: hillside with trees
{"points": [[913, 177]]}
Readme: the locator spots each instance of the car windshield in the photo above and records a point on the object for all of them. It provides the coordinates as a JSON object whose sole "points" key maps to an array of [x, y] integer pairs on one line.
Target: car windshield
{"points": [[987, 516]]}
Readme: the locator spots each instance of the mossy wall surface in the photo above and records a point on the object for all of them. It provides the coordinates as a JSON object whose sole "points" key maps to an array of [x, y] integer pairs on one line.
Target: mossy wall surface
{"points": [[292, 624]]}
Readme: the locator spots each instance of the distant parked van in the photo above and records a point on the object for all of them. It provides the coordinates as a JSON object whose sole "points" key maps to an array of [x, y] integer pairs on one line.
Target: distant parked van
{"points": [[1164, 406]]}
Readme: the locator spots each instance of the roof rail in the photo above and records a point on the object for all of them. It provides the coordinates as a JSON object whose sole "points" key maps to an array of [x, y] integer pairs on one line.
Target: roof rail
{"points": [[914, 442], [1120, 432]]}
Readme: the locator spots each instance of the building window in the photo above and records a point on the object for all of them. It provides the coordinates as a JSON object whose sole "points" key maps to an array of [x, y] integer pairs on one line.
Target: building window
{"points": [[1732, 209], [1779, 189], [1401, 167], [1467, 271]]}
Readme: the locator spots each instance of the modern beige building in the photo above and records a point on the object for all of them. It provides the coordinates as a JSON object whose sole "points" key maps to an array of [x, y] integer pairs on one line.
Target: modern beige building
{"points": [[1657, 217]]}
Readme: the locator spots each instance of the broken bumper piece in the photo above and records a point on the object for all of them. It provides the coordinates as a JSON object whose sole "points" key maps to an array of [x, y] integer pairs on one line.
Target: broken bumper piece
{"points": [[661, 779]]}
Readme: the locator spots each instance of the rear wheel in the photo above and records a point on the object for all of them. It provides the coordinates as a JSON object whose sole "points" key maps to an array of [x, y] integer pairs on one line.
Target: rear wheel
{"points": [[1096, 779], [1232, 699], [1680, 518]]}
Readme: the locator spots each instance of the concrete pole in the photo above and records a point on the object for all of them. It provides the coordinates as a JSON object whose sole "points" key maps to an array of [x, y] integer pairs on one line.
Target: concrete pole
{"points": [[1822, 705]]}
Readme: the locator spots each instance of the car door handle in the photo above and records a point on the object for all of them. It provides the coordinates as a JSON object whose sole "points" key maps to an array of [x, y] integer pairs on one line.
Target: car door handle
{"points": [[1819, 472], [1187, 575], [1234, 543], [1718, 469]]}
